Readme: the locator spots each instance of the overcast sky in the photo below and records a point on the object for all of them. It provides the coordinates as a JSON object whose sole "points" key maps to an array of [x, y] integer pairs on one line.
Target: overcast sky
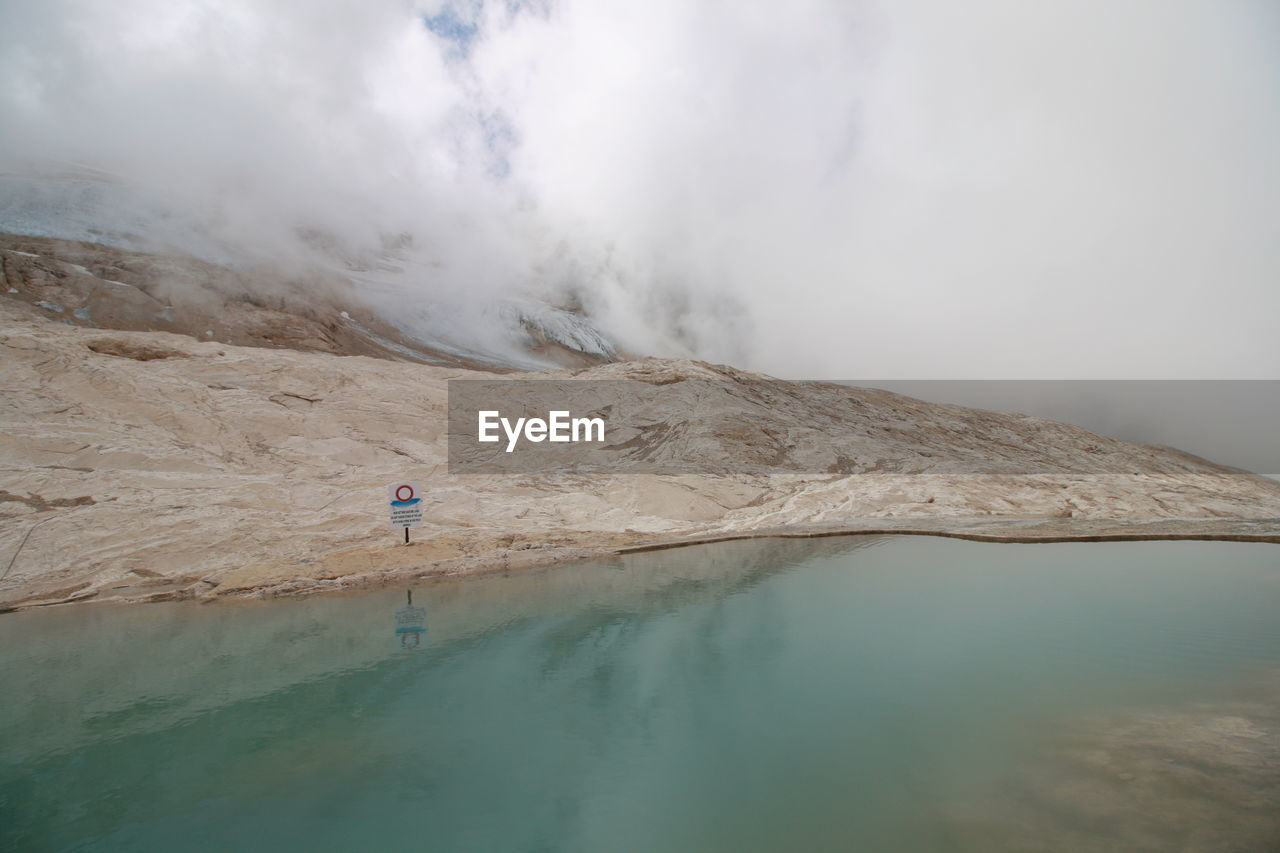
{"points": [[900, 189]]}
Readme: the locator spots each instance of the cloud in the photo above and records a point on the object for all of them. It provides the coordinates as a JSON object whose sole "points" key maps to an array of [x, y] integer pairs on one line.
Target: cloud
{"points": [[823, 188]]}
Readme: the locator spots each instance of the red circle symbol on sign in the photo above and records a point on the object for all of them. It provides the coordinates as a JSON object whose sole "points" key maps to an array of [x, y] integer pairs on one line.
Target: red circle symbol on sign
{"points": [[400, 493]]}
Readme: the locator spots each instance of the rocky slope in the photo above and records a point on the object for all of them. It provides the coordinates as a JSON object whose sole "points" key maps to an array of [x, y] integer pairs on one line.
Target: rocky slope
{"points": [[98, 286], [144, 465]]}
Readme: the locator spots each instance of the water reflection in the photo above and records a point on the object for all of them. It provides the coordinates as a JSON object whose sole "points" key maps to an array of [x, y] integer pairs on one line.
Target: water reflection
{"points": [[129, 670], [411, 624], [825, 694]]}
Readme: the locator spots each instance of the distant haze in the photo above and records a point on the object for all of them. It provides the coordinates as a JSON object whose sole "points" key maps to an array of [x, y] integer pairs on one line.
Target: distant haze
{"points": [[1233, 423], [895, 188]]}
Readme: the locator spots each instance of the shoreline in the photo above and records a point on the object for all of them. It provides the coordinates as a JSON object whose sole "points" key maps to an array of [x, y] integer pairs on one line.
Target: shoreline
{"points": [[991, 530], [1270, 534]]}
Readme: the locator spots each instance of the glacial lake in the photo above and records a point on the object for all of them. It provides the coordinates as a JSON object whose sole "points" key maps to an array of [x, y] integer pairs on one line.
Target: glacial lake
{"points": [[855, 693]]}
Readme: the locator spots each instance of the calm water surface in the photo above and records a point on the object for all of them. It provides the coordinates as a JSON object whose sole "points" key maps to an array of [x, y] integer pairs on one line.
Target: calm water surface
{"points": [[890, 694]]}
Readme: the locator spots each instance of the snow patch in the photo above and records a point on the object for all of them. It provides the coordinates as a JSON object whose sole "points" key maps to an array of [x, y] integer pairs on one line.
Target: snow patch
{"points": [[546, 324], [74, 203]]}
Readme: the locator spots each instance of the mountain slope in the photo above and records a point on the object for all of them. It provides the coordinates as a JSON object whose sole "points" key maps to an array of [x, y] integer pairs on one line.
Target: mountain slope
{"points": [[151, 464], [101, 286]]}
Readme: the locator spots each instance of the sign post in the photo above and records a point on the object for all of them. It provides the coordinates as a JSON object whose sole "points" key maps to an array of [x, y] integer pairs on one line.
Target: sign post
{"points": [[406, 506]]}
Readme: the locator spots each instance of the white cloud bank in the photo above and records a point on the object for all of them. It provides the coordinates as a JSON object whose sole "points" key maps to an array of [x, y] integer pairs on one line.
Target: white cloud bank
{"points": [[891, 189]]}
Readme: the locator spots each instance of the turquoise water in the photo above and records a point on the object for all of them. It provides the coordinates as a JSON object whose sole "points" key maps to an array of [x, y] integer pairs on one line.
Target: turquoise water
{"points": [[837, 694]]}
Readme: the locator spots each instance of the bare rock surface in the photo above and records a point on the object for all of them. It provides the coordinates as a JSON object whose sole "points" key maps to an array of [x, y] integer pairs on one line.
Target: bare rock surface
{"points": [[144, 465], [97, 286]]}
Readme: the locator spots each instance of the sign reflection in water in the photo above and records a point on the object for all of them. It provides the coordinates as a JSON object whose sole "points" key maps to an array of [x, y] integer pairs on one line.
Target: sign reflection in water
{"points": [[411, 625]]}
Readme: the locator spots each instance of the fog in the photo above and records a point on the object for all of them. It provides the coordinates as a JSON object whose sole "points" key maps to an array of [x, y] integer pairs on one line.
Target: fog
{"points": [[905, 189], [1230, 422]]}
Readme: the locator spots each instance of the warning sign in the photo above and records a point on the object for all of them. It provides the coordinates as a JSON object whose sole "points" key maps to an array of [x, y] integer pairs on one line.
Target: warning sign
{"points": [[406, 504]]}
